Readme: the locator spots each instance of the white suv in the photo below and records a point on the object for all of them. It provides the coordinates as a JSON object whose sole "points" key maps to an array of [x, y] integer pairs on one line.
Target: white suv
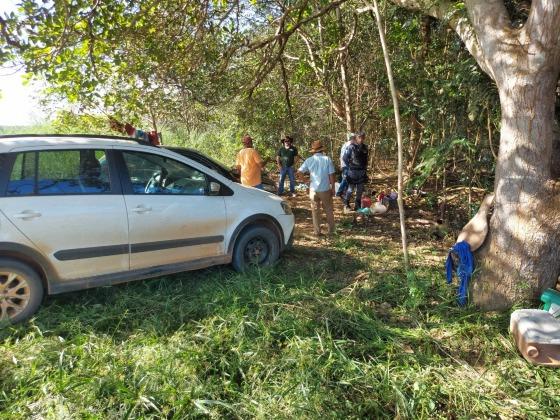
{"points": [[83, 211]]}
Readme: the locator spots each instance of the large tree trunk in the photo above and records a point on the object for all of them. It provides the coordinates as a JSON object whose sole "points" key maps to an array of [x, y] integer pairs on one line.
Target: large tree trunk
{"points": [[522, 253], [521, 256]]}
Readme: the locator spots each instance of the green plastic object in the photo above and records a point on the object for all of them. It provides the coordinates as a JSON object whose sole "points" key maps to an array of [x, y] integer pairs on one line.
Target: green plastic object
{"points": [[551, 300]]}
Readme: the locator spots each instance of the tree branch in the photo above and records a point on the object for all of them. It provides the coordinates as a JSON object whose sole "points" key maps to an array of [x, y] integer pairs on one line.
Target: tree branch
{"points": [[4, 31], [542, 29], [491, 15], [346, 44], [287, 94], [286, 34], [447, 11], [321, 76]]}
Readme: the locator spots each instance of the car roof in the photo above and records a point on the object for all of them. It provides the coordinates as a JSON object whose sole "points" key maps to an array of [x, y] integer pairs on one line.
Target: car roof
{"points": [[185, 150], [9, 142]]}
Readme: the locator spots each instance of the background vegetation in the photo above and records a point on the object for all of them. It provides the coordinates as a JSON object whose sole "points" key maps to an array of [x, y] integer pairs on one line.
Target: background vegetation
{"points": [[221, 80], [338, 330]]}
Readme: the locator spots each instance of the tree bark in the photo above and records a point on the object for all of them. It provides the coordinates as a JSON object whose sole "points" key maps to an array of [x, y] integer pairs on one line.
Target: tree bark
{"points": [[287, 96], [345, 77], [521, 256]]}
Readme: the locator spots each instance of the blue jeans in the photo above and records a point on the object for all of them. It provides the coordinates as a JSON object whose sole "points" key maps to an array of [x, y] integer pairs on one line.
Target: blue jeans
{"points": [[359, 191], [344, 183], [289, 170]]}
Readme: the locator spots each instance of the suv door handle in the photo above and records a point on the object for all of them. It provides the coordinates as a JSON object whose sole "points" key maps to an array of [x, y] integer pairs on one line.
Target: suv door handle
{"points": [[27, 215], [141, 209]]}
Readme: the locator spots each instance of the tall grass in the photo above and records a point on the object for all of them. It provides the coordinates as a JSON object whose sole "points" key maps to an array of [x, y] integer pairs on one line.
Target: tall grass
{"points": [[331, 332]]}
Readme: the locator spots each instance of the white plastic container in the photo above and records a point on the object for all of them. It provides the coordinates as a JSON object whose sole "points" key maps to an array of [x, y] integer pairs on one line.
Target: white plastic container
{"points": [[537, 335]]}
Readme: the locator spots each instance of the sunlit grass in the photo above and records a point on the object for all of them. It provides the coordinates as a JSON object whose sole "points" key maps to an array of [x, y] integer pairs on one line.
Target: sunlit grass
{"points": [[328, 333]]}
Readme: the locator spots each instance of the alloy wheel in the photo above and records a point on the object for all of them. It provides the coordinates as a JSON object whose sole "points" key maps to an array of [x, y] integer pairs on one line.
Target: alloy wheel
{"points": [[14, 295]]}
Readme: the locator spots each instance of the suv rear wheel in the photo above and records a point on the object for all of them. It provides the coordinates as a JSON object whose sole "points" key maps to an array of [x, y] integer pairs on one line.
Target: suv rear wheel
{"points": [[21, 291], [257, 245]]}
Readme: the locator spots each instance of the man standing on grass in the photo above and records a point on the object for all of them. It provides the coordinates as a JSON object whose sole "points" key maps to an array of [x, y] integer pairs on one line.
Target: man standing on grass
{"points": [[351, 138], [321, 189], [249, 163], [285, 159], [356, 160]]}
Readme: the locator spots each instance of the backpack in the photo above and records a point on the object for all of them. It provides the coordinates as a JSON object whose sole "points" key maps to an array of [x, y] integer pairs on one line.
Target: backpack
{"points": [[358, 156]]}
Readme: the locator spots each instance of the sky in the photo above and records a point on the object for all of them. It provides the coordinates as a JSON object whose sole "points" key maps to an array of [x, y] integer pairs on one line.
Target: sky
{"points": [[18, 103]]}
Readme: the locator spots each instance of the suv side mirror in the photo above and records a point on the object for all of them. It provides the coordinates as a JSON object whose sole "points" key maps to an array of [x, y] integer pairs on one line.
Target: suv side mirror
{"points": [[215, 188]]}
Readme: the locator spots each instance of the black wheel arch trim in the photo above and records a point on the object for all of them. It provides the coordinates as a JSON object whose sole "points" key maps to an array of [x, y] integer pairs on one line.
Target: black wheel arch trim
{"points": [[254, 220], [32, 257]]}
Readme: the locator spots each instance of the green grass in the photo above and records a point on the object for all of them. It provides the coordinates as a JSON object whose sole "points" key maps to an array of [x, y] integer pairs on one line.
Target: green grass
{"points": [[333, 332]]}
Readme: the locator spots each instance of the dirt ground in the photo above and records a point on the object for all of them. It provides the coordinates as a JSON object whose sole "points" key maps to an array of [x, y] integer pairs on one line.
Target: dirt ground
{"points": [[421, 221]]}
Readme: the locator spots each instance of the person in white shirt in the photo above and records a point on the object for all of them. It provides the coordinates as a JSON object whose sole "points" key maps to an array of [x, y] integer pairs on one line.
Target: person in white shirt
{"points": [[321, 189]]}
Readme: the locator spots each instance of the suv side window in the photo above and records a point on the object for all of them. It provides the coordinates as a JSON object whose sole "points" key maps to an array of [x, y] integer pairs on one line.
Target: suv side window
{"points": [[154, 174], [60, 172], [22, 178]]}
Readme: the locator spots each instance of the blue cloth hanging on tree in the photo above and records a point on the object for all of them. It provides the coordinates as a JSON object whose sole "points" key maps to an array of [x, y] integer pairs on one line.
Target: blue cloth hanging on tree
{"points": [[464, 269]]}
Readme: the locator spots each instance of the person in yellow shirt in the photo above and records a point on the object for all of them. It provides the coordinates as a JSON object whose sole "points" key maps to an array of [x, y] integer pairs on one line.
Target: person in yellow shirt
{"points": [[250, 164]]}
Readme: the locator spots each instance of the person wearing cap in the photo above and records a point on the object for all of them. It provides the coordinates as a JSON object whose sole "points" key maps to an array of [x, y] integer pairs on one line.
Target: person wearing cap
{"points": [[249, 163], [285, 159], [350, 139], [321, 189], [356, 160]]}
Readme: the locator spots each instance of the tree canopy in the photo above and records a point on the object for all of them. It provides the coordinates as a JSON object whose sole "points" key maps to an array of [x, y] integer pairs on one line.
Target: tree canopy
{"points": [[275, 66]]}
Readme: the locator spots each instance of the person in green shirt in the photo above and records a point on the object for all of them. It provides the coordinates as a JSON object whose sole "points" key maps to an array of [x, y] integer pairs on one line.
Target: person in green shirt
{"points": [[285, 159]]}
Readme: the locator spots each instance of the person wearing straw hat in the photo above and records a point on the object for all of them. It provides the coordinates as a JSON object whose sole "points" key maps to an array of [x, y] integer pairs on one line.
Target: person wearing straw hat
{"points": [[249, 163], [321, 189]]}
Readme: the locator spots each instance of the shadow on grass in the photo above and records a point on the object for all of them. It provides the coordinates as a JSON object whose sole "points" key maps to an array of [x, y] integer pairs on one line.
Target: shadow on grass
{"points": [[310, 291], [164, 305], [320, 320]]}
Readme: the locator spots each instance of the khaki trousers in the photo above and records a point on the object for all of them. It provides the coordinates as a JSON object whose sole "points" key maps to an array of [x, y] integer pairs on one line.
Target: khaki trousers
{"points": [[324, 197]]}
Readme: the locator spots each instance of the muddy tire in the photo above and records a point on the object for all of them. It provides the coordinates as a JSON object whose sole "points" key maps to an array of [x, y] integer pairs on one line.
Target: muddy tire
{"points": [[255, 246]]}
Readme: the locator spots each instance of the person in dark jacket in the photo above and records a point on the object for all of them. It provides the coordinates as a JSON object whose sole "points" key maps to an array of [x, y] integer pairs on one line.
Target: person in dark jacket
{"points": [[351, 138], [356, 160], [285, 159]]}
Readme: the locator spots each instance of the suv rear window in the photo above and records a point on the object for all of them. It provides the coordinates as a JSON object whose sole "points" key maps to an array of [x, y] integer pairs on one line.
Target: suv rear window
{"points": [[56, 172]]}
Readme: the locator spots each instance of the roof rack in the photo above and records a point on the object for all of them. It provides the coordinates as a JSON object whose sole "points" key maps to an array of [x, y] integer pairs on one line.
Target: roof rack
{"points": [[90, 136]]}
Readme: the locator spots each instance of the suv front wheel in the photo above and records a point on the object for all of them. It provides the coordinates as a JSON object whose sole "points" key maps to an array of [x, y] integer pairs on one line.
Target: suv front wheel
{"points": [[21, 291], [257, 245]]}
